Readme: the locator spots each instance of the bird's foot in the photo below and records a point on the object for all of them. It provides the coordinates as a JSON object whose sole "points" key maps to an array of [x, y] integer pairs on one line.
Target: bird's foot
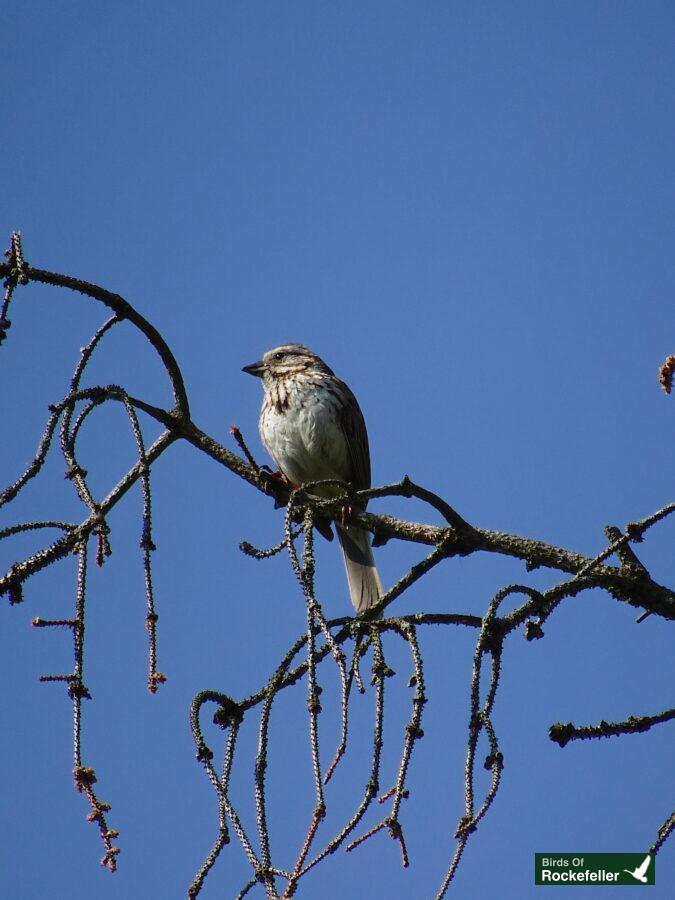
{"points": [[277, 473], [269, 480]]}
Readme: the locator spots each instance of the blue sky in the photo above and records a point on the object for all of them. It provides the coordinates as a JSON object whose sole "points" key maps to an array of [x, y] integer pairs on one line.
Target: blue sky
{"points": [[468, 210]]}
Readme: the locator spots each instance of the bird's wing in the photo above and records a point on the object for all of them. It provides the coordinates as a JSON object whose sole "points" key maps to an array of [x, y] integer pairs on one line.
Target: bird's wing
{"points": [[353, 427], [642, 868]]}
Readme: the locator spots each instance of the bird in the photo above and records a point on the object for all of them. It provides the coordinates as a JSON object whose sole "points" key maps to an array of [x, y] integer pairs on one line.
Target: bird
{"points": [[640, 874], [313, 428]]}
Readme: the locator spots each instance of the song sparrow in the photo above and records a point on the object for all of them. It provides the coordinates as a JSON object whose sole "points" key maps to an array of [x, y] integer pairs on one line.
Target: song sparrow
{"points": [[313, 428]]}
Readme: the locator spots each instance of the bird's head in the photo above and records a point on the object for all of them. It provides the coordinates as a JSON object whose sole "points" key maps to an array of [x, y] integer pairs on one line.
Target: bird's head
{"points": [[285, 360]]}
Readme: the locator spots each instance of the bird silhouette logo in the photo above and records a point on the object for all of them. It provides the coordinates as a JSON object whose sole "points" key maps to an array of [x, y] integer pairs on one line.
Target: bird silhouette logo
{"points": [[639, 874]]}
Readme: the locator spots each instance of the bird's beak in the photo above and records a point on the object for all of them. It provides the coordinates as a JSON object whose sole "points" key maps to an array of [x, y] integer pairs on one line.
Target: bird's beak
{"points": [[256, 369]]}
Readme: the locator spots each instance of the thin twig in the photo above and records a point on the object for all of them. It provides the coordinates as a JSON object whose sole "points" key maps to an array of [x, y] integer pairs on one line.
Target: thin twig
{"points": [[563, 733]]}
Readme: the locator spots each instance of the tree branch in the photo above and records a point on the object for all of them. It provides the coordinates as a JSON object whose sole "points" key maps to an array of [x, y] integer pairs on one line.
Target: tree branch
{"points": [[628, 582]]}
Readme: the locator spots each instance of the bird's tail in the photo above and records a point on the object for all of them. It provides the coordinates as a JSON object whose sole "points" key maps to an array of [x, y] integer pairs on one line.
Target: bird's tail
{"points": [[365, 587]]}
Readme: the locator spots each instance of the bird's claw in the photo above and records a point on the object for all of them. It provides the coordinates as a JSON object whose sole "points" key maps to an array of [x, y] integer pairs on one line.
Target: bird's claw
{"points": [[269, 478]]}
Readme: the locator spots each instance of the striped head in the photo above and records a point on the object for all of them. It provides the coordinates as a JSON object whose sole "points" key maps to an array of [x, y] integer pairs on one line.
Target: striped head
{"points": [[287, 360]]}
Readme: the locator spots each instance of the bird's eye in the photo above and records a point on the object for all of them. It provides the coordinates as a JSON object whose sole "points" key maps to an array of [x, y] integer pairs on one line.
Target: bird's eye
{"points": [[278, 356]]}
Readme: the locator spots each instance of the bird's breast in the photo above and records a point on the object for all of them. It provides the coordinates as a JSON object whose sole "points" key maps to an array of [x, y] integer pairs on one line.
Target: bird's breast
{"points": [[303, 433]]}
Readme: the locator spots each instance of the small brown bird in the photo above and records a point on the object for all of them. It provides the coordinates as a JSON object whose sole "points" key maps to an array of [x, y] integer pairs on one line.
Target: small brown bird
{"points": [[313, 429]]}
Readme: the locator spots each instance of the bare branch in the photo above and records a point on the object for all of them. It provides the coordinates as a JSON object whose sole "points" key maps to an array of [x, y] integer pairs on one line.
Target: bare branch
{"points": [[562, 734], [323, 640]]}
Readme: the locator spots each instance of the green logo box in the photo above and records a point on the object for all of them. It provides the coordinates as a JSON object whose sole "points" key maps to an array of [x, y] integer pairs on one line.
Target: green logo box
{"points": [[594, 868]]}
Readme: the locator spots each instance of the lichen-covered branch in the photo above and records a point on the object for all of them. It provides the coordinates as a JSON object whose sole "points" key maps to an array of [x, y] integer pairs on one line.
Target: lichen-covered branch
{"points": [[563, 733], [323, 641]]}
